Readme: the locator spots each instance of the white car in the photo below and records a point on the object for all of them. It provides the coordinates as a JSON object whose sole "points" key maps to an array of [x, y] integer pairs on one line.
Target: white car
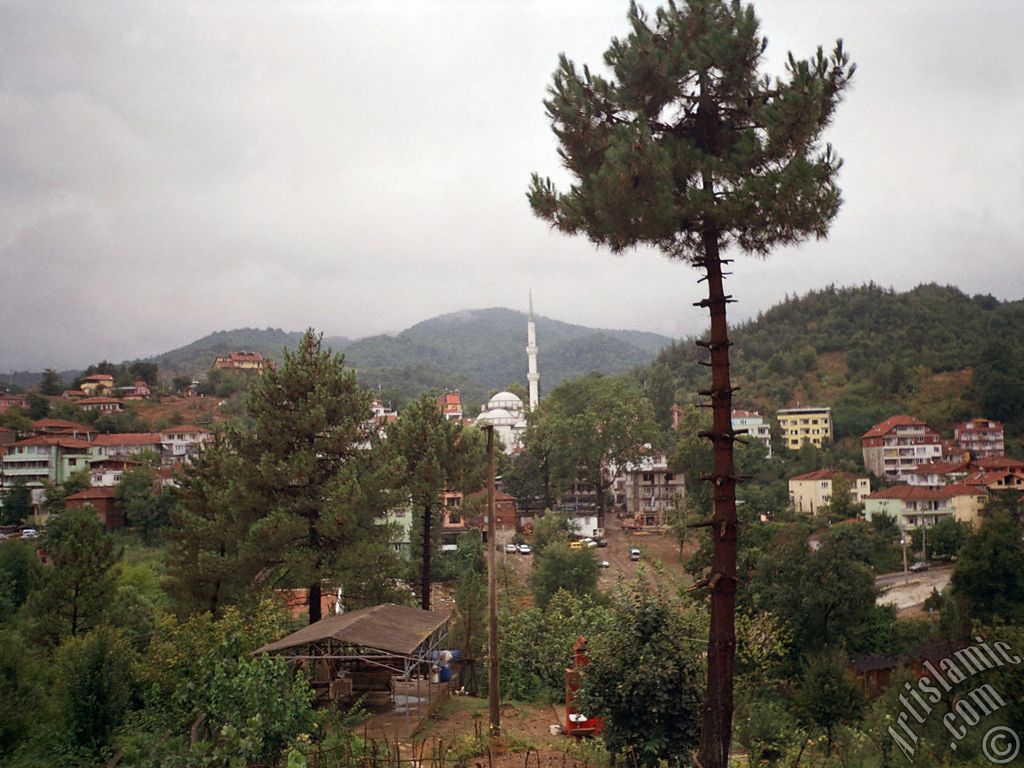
{"points": [[30, 533], [511, 549], [604, 564], [524, 549], [634, 554], [589, 542]]}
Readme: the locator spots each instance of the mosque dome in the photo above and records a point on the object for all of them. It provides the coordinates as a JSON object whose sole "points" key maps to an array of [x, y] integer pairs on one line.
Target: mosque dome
{"points": [[507, 400]]}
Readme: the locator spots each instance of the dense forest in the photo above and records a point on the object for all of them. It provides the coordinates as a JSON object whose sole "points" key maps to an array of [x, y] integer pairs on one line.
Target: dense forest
{"points": [[870, 352]]}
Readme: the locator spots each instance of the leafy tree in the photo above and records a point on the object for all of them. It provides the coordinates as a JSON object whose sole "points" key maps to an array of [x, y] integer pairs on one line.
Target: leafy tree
{"points": [[75, 593], [17, 504], [551, 527], [689, 149], [210, 563], [559, 567], [147, 508], [94, 691], [147, 372], [18, 570], [437, 454], [38, 406], [826, 697], [947, 536], [644, 678], [313, 462], [16, 419], [587, 425], [536, 644], [987, 573], [55, 493], [51, 383], [201, 678]]}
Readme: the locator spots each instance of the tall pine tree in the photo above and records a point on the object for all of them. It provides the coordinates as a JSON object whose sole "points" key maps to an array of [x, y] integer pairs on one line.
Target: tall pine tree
{"points": [[688, 148]]}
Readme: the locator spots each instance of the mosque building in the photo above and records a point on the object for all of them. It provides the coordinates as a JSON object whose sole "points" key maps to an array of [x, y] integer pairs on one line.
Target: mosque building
{"points": [[505, 410]]}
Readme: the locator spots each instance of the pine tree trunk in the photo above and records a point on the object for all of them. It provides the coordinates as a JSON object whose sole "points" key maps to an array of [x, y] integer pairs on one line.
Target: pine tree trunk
{"points": [[314, 589], [716, 720], [425, 573]]}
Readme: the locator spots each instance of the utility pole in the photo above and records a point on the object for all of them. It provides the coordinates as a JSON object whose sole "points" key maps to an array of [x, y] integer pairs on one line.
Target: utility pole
{"points": [[906, 569], [493, 697]]}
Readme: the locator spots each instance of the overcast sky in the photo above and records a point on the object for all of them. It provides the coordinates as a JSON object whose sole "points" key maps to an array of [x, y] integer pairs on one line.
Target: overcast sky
{"points": [[169, 169]]}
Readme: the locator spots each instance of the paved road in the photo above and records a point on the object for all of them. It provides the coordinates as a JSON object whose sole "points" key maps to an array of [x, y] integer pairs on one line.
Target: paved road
{"points": [[909, 590]]}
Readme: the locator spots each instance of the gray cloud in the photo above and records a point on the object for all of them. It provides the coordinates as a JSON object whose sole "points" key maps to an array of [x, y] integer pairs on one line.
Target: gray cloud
{"points": [[173, 168]]}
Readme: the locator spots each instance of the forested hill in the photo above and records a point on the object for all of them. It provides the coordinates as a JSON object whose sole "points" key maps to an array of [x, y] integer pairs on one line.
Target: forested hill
{"points": [[870, 352], [474, 350]]}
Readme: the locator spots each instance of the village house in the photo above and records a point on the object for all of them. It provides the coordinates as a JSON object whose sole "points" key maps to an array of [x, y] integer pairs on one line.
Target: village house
{"points": [[898, 446], [805, 425], [982, 438], [102, 499], [755, 426], [915, 506], [450, 404], [811, 491], [13, 401], [96, 384], [63, 427], [107, 472], [936, 474], [103, 404], [128, 444], [7, 436], [139, 390], [242, 361], [179, 444], [49, 457], [647, 489]]}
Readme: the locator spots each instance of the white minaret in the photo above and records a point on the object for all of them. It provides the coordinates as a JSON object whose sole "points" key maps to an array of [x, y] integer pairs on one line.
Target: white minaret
{"points": [[531, 351]]}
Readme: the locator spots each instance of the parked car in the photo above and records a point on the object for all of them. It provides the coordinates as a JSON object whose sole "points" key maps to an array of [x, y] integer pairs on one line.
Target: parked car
{"points": [[30, 533], [601, 542], [918, 567], [589, 542], [524, 549], [511, 549], [575, 545], [604, 564], [634, 554]]}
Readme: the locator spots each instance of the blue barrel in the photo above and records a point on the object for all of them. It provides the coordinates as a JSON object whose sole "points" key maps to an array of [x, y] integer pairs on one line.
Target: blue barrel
{"points": [[446, 674]]}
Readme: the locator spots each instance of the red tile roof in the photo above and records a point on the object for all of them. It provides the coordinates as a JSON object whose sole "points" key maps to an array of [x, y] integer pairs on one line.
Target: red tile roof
{"points": [[941, 468], [900, 420], [98, 401], [58, 440], [128, 438], [97, 492], [919, 493], [61, 424], [999, 462], [825, 474], [186, 428]]}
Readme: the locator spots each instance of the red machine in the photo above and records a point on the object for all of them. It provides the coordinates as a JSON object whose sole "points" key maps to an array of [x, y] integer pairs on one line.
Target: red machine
{"points": [[577, 723]]}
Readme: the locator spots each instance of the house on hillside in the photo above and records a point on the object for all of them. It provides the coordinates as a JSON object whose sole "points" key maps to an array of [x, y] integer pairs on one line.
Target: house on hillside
{"points": [[450, 404], [936, 474], [647, 488], [96, 384], [48, 457], [811, 491], [63, 427], [755, 426], [103, 499], [127, 444], [898, 446], [983, 438], [243, 361], [13, 401], [917, 507], [103, 404], [807, 424], [180, 444]]}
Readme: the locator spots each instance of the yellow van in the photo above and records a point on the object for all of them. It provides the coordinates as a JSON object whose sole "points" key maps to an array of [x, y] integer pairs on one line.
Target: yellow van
{"points": [[575, 545]]}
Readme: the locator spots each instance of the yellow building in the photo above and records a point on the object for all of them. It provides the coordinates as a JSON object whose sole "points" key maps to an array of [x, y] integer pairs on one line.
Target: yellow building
{"points": [[805, 425], [809, 492]]}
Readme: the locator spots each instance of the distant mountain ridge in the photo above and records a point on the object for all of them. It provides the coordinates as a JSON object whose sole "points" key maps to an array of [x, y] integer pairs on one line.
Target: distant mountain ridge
{"points": [[475, 351]]}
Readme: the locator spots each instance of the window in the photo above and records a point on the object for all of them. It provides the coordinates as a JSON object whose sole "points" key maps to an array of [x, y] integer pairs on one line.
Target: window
{"points": [[648, 477]]}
